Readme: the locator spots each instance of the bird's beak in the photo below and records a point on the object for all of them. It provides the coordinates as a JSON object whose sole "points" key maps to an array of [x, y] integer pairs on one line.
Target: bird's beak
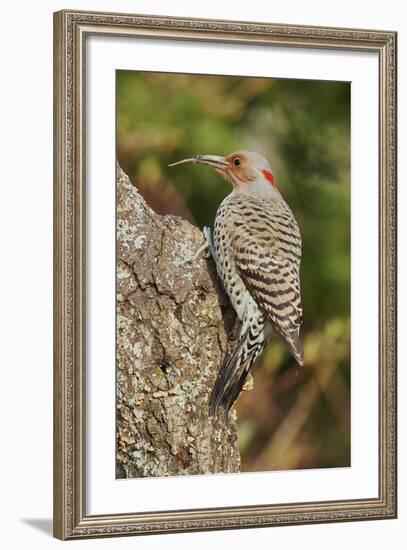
{"points": [[210, 160]]}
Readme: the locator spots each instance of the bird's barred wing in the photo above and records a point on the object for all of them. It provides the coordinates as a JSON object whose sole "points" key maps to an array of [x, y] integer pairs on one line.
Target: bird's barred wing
{"points": [[268, 262]]}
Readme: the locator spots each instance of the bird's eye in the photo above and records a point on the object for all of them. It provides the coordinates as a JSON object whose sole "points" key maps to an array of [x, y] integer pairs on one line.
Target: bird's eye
{"points": [[236, 161]]}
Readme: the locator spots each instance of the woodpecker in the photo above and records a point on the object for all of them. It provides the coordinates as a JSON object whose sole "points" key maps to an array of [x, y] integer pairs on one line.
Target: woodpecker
{"points": [[257, 250]]}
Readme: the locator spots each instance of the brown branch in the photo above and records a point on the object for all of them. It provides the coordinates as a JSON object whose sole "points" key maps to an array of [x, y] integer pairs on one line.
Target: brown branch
{"points": [[173, 323]]}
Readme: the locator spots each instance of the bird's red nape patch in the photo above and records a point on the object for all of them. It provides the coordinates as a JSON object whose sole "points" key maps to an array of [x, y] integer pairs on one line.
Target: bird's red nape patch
{"points": [[270, 178]]}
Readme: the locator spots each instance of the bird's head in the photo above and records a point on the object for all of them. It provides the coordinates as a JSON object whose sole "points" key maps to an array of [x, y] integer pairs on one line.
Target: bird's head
{"points": [[248, 172]]}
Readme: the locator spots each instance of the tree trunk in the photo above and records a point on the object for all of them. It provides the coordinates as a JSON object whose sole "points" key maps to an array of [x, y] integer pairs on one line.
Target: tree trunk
{"points": [[173, 328]]}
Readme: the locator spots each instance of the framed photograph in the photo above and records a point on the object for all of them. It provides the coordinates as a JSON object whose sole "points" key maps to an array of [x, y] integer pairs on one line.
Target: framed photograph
{"points": [[225, 274]]}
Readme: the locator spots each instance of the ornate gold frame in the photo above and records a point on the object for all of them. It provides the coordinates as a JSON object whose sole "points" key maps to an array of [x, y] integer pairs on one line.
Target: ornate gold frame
{"points": [[70, 31]]}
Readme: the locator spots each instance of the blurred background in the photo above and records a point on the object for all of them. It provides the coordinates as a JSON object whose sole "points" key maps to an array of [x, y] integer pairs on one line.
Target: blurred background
{"points": [[293, 418]]}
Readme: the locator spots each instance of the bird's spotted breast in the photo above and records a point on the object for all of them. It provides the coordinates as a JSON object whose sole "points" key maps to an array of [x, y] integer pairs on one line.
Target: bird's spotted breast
{"points": [[259, 249]]}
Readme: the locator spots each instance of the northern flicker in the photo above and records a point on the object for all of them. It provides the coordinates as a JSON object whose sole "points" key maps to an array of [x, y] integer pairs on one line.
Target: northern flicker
{"points": [[257, 250]]}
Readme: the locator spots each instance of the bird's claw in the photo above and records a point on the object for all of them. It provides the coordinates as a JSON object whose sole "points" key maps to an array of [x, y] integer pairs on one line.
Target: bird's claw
{"points": [[202, 251], [206, 250]]}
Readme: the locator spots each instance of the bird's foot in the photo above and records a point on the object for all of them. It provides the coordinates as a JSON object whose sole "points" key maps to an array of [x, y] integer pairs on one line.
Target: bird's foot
{"points": [[207, 250], [203, 250]]}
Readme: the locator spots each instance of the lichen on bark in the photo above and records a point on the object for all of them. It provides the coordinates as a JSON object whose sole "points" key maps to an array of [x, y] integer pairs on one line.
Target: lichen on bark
{"points": [[173, 327]]}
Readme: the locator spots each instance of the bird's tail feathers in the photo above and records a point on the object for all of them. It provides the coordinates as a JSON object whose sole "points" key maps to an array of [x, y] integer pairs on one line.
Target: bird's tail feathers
{"points": [[233, 373], [295, 346]]}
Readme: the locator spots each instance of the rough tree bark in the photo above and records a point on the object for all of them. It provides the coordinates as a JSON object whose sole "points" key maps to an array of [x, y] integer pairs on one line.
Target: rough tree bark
{"points": [[173, 326]]}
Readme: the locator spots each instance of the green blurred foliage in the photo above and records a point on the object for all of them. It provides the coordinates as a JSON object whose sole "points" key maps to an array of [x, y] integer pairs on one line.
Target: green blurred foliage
{"points": [[293, 418]]}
